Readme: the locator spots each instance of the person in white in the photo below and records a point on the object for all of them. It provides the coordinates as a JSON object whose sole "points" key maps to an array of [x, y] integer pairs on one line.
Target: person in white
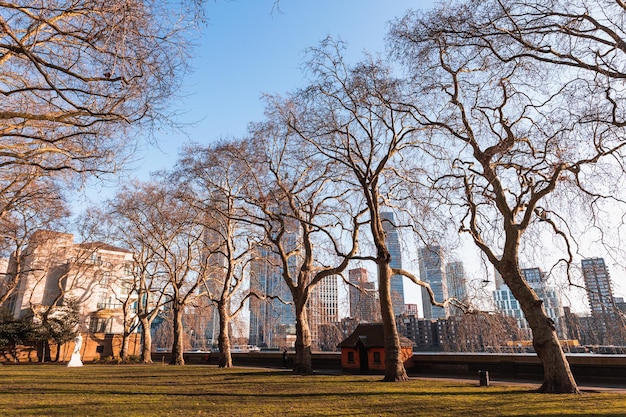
{"points": [[75, 359]]}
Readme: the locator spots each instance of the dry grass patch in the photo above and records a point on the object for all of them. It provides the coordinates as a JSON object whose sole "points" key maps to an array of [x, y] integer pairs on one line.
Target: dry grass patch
{"points": [[157, 390]]}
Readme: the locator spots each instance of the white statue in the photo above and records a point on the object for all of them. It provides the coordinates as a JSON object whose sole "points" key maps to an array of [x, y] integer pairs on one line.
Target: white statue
{"points": [[75, 359]]}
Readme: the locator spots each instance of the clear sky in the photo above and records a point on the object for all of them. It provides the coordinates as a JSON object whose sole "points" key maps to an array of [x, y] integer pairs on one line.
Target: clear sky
{"points": [[248, 48]]}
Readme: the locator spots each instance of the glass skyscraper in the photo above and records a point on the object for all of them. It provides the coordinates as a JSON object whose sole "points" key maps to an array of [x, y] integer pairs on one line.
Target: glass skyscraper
{"points": [[509, 306], [392, 240], [270, 320], [432, 271], [457, 285]]}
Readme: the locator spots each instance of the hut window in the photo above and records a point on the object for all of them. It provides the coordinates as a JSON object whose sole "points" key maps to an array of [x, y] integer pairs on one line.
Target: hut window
{"points": [[376, 357], [350, 357]]}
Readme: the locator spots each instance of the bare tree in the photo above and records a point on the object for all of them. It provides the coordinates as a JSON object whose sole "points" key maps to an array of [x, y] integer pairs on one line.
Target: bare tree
{"points": [[213, 181], [39, 206], [354, 117], [128, 223], [522, 139], [78, 74], [170, 249], [330, 337], [481, 331], [309, 223]]}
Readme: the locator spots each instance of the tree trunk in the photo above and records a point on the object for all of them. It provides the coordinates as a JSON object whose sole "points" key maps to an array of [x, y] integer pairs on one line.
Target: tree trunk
{"points": [[177, 344], [225, 360], [302, 362], [58, 354], [124, 347], [146, 345], [557, 376], [394, 368]]}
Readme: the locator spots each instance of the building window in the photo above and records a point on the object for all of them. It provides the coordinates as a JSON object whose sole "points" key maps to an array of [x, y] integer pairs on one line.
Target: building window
{"points": [[350, 357], [105, 279], [99, 325], [376, 357]]}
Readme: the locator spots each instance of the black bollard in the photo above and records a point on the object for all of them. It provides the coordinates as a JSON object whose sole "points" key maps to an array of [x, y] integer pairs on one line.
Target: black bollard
{"points": [[483, 378]]}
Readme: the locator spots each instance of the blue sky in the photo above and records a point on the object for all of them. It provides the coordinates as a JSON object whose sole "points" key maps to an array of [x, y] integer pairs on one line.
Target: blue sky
{"points": [[248, 48]]}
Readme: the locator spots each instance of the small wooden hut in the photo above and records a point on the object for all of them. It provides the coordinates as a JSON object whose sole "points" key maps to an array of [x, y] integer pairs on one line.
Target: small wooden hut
{"points": [[364, 350]]}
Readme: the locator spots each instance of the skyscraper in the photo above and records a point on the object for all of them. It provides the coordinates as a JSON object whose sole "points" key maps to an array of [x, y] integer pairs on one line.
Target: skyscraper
{"points": [[598, 285], [608, 325], [549, 295], [457, 285], [271, 320], [364, 307], [392, 240], [432, 271], [323, 306]]}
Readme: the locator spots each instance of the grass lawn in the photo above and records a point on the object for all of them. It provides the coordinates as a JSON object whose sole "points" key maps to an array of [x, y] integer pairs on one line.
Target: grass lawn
{"points": [[161, 390]]}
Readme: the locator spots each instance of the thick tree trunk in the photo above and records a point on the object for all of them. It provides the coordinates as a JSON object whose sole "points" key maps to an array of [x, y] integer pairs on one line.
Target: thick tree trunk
{"points": [[557, 376], [394, 368], [302, 363], [177, 344], [225, 360], [146, 345], [124, 347]]}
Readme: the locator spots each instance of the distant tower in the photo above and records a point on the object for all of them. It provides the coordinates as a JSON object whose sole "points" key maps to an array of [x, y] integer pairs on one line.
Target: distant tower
{"points": [[392, 240], [499, 281], [363, 303], [457, 285], [270, 320], [509, 306], [598, 284], [323, 305], [432, 271]]}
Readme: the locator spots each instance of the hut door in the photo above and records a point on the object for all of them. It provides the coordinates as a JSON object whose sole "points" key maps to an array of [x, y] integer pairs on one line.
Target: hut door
{"points": [[363, 360]]}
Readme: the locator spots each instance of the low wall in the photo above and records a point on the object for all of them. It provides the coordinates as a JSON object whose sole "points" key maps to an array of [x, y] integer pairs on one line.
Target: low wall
{"points": [[96, 346], [587, 368]]}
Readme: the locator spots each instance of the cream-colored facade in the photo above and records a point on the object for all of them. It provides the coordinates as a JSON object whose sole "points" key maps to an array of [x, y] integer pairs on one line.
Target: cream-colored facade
{"points": [[54, 269]]}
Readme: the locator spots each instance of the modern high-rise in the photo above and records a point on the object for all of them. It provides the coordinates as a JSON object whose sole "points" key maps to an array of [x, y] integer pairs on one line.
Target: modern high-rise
{"points": [[549, 295], [364, 307], [271, 319], [323, 306], [598, 285], [457, 284], [432, 271], [392, 239]]}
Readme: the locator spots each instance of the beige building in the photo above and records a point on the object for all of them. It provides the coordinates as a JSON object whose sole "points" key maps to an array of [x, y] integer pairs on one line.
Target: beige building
{"points": [[99, 276]]}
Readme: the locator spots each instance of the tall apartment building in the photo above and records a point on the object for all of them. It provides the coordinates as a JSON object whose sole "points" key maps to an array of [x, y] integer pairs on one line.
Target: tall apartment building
{"points": [[272, 321], [423, 332], [364, 306], [323, 306], [598, 284], [600, 295], [431, 265], [392, 239], [509, 306], [457, 284]]}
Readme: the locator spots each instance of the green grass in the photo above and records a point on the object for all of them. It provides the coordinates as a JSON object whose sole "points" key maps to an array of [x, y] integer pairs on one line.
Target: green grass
{"points": [[159, 390]]}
